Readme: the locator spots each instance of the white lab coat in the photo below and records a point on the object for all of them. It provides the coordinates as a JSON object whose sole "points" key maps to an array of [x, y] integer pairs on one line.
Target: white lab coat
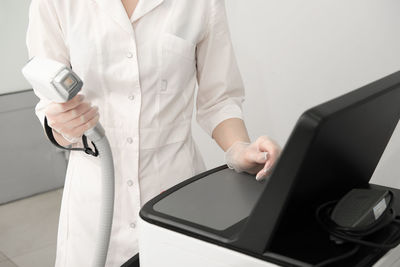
{"points": [[142, 73]]}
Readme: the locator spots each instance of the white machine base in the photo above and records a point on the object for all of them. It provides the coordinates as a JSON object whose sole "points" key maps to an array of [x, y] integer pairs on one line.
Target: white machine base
{"points": [[162, 247], [166, 248]]}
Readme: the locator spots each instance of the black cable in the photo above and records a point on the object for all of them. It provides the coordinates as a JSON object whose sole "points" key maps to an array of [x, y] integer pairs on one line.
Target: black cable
{"points": [[367, 243], [384, 220], [397, 219], [86, 148], [356, 235], [338, 258], [357, 239]]}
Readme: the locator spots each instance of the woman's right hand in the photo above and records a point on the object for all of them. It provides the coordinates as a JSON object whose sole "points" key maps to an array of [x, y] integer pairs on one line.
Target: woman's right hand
{"points": [[72, 119]]}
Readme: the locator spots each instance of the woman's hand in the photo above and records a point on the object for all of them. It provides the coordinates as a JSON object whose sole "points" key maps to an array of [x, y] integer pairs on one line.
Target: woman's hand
{"points": [[255, 158], [73, 118]]}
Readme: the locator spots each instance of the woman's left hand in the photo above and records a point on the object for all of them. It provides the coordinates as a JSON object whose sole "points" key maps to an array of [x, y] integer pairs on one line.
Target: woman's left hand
{"points": [[255, 158]]}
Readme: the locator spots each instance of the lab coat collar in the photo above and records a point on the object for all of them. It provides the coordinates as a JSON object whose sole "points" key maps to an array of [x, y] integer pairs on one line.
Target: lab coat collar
{"points": [[144, 7], [117, 11]]}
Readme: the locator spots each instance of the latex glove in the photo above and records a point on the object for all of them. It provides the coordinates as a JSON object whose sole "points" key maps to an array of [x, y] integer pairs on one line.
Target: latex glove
{"points": [[73, 118], [255, 158]]}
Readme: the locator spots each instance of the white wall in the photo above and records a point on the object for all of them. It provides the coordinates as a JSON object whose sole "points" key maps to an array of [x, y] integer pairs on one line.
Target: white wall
{"points": [[296, 54], [13, 54]]}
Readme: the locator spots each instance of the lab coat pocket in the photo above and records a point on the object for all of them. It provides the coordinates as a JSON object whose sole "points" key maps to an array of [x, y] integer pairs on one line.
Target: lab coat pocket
{"points": [[177, 64]]}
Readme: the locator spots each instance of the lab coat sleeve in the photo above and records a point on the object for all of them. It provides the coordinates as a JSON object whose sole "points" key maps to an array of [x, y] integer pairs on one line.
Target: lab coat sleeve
{"points": [[45, 38], [221, 91]]}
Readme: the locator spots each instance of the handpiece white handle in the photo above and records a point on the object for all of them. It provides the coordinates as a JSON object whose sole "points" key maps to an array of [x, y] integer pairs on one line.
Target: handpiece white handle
{"points": [[56, 82]]}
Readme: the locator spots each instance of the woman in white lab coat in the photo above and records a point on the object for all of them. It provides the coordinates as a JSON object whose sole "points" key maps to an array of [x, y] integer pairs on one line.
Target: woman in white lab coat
{"points": [[140, 65]]}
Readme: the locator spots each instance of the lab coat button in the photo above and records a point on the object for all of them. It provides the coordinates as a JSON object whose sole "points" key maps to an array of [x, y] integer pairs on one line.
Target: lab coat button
{"points": [[129, 140], [129, 55], [129, 182], [131, 97], [133, 225]]}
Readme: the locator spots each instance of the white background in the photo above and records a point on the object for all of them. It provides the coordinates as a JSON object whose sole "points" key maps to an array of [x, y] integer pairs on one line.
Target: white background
{"points": [[292, 55], [296, 54], [13, 54]]}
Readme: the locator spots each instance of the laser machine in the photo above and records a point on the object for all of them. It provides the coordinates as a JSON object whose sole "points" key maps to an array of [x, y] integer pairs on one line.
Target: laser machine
{"points": [[224, 219]]}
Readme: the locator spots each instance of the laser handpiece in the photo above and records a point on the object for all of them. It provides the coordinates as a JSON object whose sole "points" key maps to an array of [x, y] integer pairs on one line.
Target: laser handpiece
{"points": [[56, 82]]}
